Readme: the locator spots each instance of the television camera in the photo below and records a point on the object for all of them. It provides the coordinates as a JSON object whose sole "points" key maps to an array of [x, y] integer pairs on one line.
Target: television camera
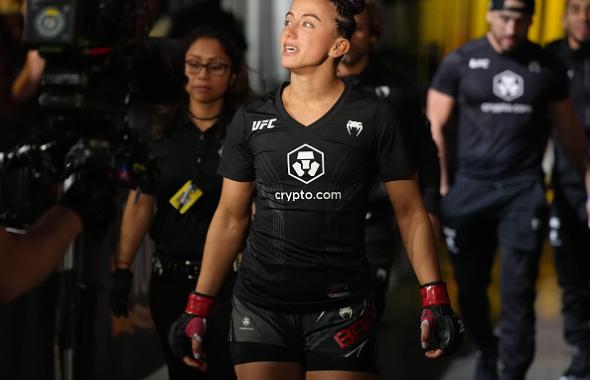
{"points": [[101, 67]]}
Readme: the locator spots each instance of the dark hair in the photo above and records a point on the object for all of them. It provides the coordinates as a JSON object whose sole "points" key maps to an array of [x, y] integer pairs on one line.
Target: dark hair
{"points": [[375, 18], [238, 92], [346, 10]]}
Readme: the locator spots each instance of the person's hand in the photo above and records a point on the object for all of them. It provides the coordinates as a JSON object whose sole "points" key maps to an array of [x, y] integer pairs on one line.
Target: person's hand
{"points": [[444, 188], [191, 326], [441, 329], [120, 289]]}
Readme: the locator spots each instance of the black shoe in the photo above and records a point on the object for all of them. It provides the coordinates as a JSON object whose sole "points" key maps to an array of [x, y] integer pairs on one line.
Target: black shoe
{"points": [[579, 368], [486, 368]]}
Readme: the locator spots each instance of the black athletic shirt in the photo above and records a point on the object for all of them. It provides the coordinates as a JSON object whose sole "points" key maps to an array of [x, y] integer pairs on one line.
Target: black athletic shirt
{"points": [[305, 249], [503, 103], [183, 236], [566, 179]]}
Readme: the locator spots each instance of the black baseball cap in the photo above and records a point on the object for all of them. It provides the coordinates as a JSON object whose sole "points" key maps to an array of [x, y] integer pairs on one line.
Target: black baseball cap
{"points": [[528, 6]]}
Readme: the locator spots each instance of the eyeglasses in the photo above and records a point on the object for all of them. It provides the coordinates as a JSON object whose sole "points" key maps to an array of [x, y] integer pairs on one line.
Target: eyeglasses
{"points": [[216, 69]]}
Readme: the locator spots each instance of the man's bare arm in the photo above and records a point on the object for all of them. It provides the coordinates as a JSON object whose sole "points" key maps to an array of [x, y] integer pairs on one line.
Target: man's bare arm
{"points": [[574, 141], [439, 108], [25, 260]]}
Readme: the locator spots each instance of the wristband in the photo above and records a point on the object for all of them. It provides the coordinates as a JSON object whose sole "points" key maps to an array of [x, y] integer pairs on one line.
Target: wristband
{"points": [[588, 197], [199, 305], [434, 293]]}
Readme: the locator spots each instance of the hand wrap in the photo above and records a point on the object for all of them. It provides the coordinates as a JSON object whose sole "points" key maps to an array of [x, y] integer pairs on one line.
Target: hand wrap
{"points": [[446, 328], [191, 324]]}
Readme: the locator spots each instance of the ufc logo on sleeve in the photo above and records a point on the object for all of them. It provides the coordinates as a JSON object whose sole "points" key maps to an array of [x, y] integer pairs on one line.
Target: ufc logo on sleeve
{"points": [[261, 124]]}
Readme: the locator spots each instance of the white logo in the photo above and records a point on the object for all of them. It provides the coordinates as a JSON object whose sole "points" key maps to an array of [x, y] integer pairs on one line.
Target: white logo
{"points": [[261, 124], [534, 67], [246, 322], [451, 237], [554, 232], [382, 91], [306, 163], [354, 128], [508, 85], [479, 63], [346, 312]]}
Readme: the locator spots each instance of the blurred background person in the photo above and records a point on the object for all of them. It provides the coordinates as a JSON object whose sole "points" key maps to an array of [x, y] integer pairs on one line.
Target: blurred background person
{"points": [[361, 67], [569, 234], [184, 193], [27, 329], [503, 89]]}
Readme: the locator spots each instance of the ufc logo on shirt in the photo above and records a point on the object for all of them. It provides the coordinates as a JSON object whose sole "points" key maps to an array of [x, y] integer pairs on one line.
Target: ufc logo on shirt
{"points": [[261, 124]]}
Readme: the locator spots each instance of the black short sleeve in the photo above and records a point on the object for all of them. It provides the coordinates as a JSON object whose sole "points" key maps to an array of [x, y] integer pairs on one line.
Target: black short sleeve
{"points": [[393, 161], [448, 75], [559, 89], [237, 161]]}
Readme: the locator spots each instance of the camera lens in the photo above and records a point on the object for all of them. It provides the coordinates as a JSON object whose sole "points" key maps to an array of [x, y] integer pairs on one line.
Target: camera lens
{"points": [[50, 22]]}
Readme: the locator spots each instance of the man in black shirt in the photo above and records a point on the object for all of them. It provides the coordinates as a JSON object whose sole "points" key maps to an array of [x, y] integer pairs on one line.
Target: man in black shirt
{"points": [[505, 89], [569, 234], [360, 67]]}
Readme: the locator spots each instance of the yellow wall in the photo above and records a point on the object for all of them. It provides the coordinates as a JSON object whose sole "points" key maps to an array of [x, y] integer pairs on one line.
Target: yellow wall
{"points": [[450, 23]]}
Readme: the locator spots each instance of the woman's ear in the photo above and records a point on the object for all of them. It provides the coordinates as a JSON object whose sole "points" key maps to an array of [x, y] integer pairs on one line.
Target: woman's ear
{"points": [[340, 48]]}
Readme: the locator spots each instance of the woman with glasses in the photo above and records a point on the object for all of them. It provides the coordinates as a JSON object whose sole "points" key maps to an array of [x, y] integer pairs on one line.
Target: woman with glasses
{"points": [[184, 193]]}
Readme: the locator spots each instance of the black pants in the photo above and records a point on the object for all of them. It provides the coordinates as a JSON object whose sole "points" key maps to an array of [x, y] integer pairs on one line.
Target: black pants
{"points": [[383, 246], [168, 297], [478, 216], [570, 238]]}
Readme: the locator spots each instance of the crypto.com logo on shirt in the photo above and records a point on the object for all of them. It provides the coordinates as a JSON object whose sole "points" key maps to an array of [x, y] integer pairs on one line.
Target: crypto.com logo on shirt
{"points": [[305, 163]]}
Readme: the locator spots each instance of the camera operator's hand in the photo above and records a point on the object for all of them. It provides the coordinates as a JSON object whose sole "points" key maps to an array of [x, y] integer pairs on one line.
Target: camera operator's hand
{"points": [[120, 290], [191, 327], [441, 329]]}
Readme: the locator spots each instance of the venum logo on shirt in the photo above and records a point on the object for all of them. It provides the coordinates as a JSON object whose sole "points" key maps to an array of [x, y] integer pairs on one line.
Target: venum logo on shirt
{"points": [[354, 128], [305, 163]]}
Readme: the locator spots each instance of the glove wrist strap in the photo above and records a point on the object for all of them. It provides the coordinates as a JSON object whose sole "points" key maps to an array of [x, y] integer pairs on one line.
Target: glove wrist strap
{"points": [[434, 293], [199, 305]]}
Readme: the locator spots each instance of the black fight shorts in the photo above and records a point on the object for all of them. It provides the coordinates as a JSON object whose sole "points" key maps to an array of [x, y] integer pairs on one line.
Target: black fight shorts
{"points": [[340, 339]]}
